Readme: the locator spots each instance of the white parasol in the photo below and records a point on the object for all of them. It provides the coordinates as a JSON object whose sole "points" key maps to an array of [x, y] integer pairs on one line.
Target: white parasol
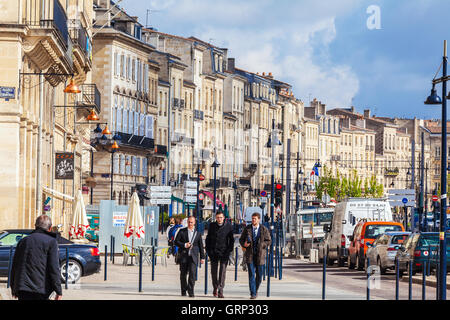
{"points": [[79, 220], [134, 226]]}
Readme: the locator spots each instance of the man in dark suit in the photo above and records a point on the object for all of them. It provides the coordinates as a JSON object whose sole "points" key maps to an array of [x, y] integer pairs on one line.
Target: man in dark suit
{"points": [[219, 246], [35, 271], [190, 245], [255, 238]]}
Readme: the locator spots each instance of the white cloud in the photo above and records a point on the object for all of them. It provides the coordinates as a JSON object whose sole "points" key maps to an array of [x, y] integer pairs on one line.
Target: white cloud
{"points": [[291, 39]]}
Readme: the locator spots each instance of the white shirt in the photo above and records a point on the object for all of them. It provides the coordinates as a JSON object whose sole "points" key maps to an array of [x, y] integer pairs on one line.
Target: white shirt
{"points": [[255, 229]]}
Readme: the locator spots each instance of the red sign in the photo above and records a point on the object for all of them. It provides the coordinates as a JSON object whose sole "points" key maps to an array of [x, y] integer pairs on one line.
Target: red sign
{"points": [[263, 193], [201, 196], [201, 177], [435, 198]]}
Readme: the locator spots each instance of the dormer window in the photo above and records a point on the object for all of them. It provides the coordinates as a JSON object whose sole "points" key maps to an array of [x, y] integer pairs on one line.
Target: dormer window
{"points": [[137, 31]]}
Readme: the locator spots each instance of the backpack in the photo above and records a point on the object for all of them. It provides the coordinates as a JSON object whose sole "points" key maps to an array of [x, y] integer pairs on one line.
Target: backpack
{"points": [[172, 234]]}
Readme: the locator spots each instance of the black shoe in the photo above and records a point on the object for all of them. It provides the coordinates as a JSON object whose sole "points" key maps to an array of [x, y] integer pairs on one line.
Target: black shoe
{"points": [[215, 293], [253, 297], [191, 295], [220, 295], [183, 294]]}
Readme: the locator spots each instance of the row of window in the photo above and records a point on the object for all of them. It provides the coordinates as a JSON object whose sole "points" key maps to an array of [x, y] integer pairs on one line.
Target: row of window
{"points": [[133, 69], [130, 165]]}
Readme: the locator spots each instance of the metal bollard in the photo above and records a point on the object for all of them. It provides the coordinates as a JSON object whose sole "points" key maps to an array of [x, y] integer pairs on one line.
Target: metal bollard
{"points": [[153, 263], [9, 266], [397, 275], [424, 279], [410, 280], [140, 269], [111, 246], [368, 280], [236, 264], [276, 262], [437, 280], [113, 249], [268, 278], [106, 261], [67, 269], [324, 274], [206, 273], [281, 264]]}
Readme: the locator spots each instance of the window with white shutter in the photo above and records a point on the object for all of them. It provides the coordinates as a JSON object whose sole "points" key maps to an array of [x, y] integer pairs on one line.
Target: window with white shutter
{"points": [[144, 167], [116, 163], [138, 166], [149, 126], [133, 165], [128, 167], [136, 124], [125, 121], [122, 164], [130, 122], [119, 120], [141, 124]]}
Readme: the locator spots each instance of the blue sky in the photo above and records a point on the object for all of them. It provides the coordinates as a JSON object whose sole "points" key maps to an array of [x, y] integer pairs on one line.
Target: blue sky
{"points": [[323, 48]]}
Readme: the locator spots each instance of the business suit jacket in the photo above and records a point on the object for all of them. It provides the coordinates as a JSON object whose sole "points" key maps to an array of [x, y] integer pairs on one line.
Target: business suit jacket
{"points": [[197, 246], [263, 242]]}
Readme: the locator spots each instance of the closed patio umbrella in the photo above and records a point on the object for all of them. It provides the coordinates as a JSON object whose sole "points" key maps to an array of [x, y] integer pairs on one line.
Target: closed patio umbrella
{"points": [[79, 219], [134, 226]]}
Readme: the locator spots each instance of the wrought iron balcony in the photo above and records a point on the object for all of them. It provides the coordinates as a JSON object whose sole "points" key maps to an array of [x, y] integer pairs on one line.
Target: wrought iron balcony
{"points": [[81, 39], [47, 14], [90, 97], [176, 103], [245, 182], [161, 150]]}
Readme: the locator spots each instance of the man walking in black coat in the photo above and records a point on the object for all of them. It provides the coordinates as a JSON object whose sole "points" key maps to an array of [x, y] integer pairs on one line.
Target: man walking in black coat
{"points": [[35, 271], [190, 245], [219, 246]]}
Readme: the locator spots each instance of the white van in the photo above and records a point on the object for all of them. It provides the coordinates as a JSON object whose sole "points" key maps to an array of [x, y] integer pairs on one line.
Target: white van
{"points": [[346, 215]]}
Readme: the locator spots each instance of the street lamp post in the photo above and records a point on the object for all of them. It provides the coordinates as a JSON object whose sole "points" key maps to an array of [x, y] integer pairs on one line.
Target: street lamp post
{"points": [[434, 99], [215, 165]]}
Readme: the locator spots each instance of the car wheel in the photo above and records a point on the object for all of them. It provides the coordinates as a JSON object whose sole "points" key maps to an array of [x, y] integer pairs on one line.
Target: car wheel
{"points": [[74, 273], [341, 260], [350, 264], [330, 261], [359, 264], [382, 270]]}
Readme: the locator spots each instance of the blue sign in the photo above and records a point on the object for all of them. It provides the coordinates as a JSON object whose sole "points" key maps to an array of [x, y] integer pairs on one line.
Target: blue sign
{"points": [[7, 92], [405, 200], [263, 193]]}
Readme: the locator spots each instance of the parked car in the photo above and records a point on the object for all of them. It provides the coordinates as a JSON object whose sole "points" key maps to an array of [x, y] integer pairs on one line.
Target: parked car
{"points": [[421, 247], [364, 233], [84, 259], [347, 214], [383, 250]]}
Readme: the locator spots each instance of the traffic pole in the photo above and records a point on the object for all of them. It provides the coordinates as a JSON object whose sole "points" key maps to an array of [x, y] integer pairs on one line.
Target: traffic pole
{"points": [[206, 273], [397, 275], [324, 274], [106, 261], [368, 280], [140, 269], [424, 279], [236, 264], [153, 263], [410, 279]]}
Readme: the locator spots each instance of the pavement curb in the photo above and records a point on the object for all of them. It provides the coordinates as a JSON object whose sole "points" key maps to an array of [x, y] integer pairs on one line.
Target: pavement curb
{"points": [[418, 280]]}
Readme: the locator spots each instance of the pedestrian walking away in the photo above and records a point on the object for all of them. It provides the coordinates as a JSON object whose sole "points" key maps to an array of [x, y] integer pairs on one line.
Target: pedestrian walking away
{"points": [[255, 238], [190, 246], [219, 245], [171, 236], [35, 272]]}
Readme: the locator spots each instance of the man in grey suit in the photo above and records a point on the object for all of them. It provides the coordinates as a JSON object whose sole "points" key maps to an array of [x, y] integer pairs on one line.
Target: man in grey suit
{"points": [[190, 245]]}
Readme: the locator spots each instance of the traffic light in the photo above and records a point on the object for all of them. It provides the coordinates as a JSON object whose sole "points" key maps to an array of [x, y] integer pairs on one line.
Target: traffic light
{"points": [[278, 194]]}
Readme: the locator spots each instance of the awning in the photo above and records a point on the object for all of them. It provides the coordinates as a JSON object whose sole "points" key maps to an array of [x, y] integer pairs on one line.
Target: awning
{"points": [[57, 194]]}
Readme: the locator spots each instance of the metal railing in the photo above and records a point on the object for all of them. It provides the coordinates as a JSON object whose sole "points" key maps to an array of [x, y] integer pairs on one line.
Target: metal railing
{"points": [[47, 14]]}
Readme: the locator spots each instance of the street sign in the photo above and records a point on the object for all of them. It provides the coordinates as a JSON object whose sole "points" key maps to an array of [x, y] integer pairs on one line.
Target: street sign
{"points": [[263, 193], [397, 197], [263, 199], [190, 184], [190, 192], [160, 194], [405, 200], [201, 196], [160, 201], [190, 199], [435, 198]]}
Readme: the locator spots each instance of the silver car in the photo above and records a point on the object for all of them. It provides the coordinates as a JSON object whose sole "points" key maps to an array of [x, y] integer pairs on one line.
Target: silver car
{"points": [[383, 250]]}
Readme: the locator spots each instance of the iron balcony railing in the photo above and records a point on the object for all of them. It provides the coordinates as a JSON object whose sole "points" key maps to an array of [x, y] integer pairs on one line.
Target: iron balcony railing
{"points": [[47, 14], [81, 38], [90, 96]]}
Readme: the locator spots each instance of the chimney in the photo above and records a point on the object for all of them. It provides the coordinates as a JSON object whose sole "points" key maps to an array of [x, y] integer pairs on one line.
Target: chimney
{"points": [[367, 113], [231, 62]]}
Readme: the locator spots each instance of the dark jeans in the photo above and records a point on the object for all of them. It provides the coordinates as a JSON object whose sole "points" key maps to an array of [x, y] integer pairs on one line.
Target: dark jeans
{"points": [[25, 295], [188, 270], [218, 274], [255, 274]]}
